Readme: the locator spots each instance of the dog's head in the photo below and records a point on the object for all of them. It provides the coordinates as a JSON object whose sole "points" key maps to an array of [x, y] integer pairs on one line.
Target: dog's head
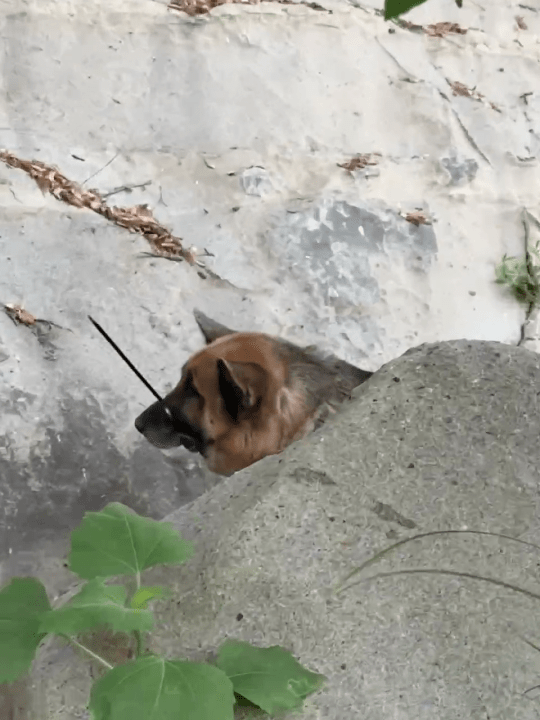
{"points": [[214, 396], [245, 396]]}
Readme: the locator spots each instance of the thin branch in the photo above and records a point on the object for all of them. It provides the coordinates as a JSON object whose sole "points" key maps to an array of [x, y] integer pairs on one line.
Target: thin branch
{"points": [[386, 551], [139, 218], [100, 169], [531, 644], [125, 188], [92, 654], [452, 573]]}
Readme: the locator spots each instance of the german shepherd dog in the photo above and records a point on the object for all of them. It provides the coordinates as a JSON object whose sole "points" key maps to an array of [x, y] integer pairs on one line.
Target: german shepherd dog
{"points": [[246, 395]]}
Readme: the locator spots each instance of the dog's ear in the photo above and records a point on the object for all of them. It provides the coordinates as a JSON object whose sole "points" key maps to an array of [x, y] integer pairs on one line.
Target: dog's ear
{"points": [[240, 385], [211, 329]]}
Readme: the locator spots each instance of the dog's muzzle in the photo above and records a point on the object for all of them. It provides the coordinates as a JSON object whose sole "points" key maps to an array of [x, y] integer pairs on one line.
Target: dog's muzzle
{"points": [[167, 427]]}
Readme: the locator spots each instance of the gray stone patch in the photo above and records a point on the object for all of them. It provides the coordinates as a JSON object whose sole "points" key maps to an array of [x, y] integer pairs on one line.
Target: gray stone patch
{"points": [[232, 262], [386, 512], [461, 171], [46, 334], [306, 474], [256, 181], [15, 402], [334, 246], [78, 469]]}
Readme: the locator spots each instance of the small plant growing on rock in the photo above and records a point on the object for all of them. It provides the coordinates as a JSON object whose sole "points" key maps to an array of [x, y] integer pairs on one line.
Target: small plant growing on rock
{"points": [[521, 276], [117, 542]]}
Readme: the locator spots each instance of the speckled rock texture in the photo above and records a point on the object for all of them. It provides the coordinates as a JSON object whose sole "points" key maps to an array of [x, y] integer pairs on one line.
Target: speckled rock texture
{"points": [[232, 128], [443, 438]]}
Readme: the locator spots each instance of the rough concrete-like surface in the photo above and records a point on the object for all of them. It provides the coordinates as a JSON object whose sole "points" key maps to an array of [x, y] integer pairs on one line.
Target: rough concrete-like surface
{"points": [[232, 126], [444, 437]]}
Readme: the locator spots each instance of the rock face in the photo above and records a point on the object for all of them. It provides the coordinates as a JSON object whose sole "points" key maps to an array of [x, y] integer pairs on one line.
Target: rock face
{"points": [[237, 130], [349, 183], [443, 438]]}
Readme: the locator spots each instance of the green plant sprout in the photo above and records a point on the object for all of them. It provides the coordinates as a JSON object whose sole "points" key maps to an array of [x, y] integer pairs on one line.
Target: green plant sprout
{"points": [[113, 542], [521, 276], [393, 8]]}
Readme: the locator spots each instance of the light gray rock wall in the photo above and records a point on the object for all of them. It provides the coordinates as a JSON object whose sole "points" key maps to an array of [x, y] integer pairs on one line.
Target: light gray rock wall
{"points": [[237, 122]]}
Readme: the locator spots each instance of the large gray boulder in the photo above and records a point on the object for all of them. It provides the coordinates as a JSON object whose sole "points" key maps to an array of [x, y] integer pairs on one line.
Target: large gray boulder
{"points": [[444, 437]]}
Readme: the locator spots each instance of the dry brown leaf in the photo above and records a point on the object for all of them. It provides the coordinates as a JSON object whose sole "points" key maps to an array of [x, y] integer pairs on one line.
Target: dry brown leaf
{"points": [[441, 29], [416, 218], [137, 219], [143, 211], [460, 89], [359, 162], [191, 255], [522, 25], [201, 7], [19, 315]]}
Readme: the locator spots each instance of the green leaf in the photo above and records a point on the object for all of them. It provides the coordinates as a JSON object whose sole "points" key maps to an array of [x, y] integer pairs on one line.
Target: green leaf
{"points": [[393, 8], [146, 594], [95, 605], [22, 604], [269, 677], [117, 542], [153, 688]]}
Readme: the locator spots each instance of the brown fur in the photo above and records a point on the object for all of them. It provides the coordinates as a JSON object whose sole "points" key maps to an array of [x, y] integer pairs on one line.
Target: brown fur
{"points": [[245, 396]]}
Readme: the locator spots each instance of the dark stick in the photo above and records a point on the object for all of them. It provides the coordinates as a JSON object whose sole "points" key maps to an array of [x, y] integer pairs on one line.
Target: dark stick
{"points": [[124, 358]]}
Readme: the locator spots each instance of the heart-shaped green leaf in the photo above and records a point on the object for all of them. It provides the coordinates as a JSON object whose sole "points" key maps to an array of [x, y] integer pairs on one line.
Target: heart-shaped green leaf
{"points": [[116, 541], [97, 605], [22, 604], [269, 677], [393, 8], [152, 688]]}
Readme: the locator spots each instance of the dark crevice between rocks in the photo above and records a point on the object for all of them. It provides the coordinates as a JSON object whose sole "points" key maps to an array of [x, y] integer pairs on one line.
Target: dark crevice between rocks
{"points": [[530, 271]]}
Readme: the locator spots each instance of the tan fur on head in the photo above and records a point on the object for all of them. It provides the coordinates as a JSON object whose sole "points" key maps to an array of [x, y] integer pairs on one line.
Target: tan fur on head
{"points": [[245, 396]]}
